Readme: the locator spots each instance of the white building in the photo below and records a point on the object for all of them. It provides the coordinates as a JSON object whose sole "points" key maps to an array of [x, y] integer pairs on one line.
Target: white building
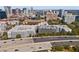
{"points": [[44, 27], [53, 28], [23, 30], [64, 27], [3, 25], [25, 11], [69, 18], [18, 12], [8, 10]]}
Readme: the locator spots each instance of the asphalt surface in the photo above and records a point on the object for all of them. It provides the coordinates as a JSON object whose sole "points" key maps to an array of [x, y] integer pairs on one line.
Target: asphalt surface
{"points": [[54, 39], [12, 42], [65, 43], [33, 44]]}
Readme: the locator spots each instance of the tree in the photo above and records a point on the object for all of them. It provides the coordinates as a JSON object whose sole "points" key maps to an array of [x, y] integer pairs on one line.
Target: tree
{"points": [[75, 49], [66, 47], [53, 49], [50, 22], [38, 17], [59, 48], [18, 36], [5, 36]]}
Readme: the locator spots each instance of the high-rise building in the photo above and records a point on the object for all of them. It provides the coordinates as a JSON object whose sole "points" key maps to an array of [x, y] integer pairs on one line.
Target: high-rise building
{"points": [[14, 11], [51, 16], [2, 14], [65, 13], [8, 10], [18, 11], [61, 13], [69, 18], [31, 10], [24, 11]]}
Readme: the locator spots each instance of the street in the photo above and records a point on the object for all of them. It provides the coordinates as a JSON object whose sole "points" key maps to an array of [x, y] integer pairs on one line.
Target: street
{"points": [[36, 44]]}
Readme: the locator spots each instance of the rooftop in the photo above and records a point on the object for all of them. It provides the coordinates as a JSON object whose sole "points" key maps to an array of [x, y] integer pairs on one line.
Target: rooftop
{"points": [[23, 28]]}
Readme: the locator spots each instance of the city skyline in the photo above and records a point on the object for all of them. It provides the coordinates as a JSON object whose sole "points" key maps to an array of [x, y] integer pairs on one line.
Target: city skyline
{"points": [[29, 29], [44, 7]]}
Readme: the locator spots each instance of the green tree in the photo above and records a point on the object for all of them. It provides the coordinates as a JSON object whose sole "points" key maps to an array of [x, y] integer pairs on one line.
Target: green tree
{"points": [[75, 49], [53, 48], [18, 36], [59, 48], [66, 47], [50, 22], [5, 36]]}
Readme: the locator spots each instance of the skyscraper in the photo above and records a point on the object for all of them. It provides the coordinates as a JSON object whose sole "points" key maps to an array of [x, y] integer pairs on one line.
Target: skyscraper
{"points": [[18, 11], [14, 11], [69, 18], [8, 10], [24, 11], [31, 10], [2, 14]]}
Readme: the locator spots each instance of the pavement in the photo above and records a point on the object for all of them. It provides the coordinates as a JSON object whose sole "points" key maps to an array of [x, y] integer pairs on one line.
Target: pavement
{"points": [[46, 39], [11, 42], [35, 43], [27, 47]]}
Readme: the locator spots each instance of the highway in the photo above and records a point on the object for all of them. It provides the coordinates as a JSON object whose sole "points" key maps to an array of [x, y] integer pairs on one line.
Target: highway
{"points": [[11, 42], [32, 44], [38, 46], [35, 40], [45, 39]]}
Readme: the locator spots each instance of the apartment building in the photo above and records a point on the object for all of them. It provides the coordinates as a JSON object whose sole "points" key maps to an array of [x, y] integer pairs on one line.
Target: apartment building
{"points": [[23, 30]]}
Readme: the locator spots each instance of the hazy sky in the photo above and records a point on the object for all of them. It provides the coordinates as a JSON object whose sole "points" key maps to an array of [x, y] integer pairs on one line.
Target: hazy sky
{"points": [[44, 7]]}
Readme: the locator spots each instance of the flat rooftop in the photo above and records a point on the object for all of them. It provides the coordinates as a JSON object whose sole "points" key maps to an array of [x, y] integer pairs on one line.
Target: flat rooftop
{"points": [[23, 27]]}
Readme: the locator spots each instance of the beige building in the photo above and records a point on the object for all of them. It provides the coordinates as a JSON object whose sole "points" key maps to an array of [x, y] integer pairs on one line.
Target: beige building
{"points": [[51, 16]]}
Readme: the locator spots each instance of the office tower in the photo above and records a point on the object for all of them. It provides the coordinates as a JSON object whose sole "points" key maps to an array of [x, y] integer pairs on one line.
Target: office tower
{"points": [[61, 13], [14, 11], [43, 12], [2, 14], [31, 10], [8, 10], [65, 12], [77, 17], [25, 11], [18, 11]]}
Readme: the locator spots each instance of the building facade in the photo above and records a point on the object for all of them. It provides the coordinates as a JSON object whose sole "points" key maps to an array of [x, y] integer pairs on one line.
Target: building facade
{"points": [[2, 14], [69, 18], [8, 10], [51, 15], [23, 30], [3, 25], [53, 28]]}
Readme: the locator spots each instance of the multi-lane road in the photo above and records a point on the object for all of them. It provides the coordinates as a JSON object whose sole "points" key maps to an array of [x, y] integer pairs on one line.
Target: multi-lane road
{"points": [[45, 39], [34, 43]]}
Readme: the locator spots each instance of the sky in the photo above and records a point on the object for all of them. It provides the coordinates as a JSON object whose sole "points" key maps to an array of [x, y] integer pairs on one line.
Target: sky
{"points": [[44, 7]]}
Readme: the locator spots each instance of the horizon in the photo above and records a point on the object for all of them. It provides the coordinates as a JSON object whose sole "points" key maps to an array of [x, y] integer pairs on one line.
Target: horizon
{"points": [[45, 7]]}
